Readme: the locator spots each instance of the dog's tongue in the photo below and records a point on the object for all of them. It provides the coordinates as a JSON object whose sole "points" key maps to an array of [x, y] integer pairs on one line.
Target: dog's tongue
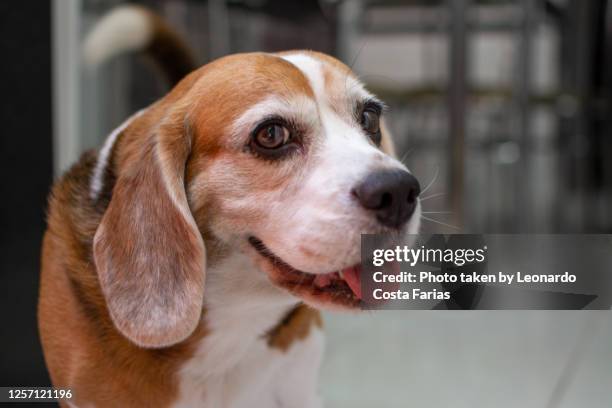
{"points": [[352, 276]]}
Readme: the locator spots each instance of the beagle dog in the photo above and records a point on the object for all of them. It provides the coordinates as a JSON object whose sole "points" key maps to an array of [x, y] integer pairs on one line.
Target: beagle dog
{"points": [[184, 262]]}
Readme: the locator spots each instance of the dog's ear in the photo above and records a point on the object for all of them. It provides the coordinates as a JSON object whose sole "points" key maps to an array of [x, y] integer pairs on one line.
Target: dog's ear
{"points": [[386, 143], [148, 251]]}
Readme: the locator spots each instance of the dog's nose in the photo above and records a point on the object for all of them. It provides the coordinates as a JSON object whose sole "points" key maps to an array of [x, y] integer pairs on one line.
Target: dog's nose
{"points": [[390, 194]]}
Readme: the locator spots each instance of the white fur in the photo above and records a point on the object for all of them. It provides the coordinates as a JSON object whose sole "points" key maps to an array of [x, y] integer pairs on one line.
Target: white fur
{"points": [[234, 367], [125, 28], [312, 69], [97, 178], [322, 215]]}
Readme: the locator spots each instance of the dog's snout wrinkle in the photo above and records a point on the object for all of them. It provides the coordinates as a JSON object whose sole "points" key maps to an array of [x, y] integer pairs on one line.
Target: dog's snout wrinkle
{"points": [[390, 194]]}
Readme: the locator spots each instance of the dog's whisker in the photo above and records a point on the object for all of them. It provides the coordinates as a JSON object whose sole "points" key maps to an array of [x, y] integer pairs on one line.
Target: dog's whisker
{"points": [[433, 180], [437, 212], [440, 222], [354, 61], [349, 70], [431, 196], [405, 156]]}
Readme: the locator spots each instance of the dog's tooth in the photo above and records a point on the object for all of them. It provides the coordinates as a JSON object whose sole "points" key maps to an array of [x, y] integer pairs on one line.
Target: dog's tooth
{"points": [[340, 274]]}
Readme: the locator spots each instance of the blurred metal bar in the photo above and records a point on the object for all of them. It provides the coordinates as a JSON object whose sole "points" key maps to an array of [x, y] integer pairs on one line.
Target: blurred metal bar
{"points": [[457, 101], [218, 21], [607, 142], [350, 15], [66, 76], [524, 139], [434, 27], [577, 74], [397, 19]]}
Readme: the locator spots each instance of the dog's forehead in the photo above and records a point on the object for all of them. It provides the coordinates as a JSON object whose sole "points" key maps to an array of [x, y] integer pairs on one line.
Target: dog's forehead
{"points": [[331, 87], [236, 92], [332, 82], [225, 89], [253, 76]]}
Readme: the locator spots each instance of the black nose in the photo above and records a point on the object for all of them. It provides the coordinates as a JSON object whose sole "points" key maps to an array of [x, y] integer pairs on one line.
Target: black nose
{"points": [[390, 194]]}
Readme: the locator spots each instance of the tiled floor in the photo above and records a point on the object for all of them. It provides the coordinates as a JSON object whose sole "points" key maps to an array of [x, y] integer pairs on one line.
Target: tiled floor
{"points": [[469, 359]]}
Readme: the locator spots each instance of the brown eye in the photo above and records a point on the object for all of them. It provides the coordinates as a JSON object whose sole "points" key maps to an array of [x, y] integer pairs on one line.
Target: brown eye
{"points": [[370, 121], [272, 136]]}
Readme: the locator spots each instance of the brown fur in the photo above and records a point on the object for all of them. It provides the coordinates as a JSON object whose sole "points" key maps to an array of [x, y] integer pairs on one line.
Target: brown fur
{"points": [[82, 347], [134, 256], [173, 141], [295, 326]]}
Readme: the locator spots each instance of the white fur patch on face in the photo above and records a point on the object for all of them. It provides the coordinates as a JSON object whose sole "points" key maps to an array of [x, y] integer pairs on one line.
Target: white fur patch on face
{"points": [[97, 178], [313, 70], [303, 208], [317, 224]]}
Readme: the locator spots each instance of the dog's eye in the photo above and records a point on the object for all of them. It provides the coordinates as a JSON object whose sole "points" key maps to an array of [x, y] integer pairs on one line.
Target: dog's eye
{"points": [[272, 136], [273, 139], [370, 122]]}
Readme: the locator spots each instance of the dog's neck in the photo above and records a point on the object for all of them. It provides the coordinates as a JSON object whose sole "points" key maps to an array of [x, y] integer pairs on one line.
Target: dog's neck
{"points": [[241, 306], [235, 285]]}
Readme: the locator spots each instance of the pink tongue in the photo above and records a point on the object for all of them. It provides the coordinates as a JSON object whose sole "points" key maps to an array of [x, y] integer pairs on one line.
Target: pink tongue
{"points": [[353, 279]]}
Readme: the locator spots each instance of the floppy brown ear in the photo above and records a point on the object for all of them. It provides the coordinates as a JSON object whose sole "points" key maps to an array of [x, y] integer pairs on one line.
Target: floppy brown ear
{"points": [[148, 252], [387, 145]]}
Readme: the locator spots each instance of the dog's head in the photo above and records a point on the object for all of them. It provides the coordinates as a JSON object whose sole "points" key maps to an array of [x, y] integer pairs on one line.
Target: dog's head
{"points": [[284, 156]]}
